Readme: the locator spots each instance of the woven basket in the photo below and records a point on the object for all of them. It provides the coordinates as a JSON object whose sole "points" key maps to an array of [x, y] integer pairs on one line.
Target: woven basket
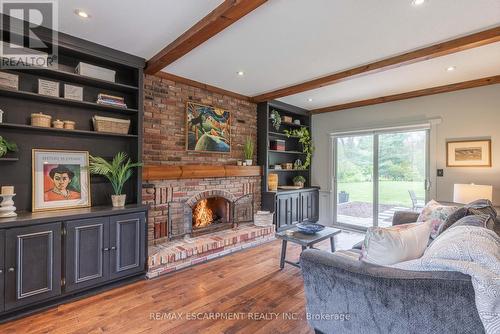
{"points": [[263, 218], [111, 125], [41, 120]]}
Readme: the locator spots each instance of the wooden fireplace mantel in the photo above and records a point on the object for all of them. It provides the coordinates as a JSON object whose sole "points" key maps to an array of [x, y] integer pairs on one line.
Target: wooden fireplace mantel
{"points": [[157, 172]]}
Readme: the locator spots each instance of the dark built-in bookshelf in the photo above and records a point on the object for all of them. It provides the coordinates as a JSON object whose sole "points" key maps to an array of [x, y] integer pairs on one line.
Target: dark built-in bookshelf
{"points": [[18, 105], [289, 206], [293, 149]]}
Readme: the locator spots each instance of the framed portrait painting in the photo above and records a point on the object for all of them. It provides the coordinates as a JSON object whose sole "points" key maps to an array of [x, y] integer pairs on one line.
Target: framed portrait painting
{"points": [[207, 129], [60, 180], [472, 153]]}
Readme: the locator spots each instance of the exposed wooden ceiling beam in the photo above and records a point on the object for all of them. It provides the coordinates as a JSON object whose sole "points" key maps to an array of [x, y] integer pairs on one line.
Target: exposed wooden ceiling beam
{"points": [[437, 50], [408, 95], [201, 85], [219, 19]]}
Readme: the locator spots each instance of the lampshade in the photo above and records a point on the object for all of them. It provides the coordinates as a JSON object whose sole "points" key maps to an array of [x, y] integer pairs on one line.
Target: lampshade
{"points": [[466, 193]]}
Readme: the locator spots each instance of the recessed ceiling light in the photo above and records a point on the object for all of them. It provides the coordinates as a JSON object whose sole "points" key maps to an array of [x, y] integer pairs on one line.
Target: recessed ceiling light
{"points": [[240, 73], [82, 13], [309, 99], [451, 68], [417, 2]]}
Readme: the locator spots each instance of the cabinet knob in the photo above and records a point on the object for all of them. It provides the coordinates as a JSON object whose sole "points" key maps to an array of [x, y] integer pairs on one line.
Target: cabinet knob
{"points": [[1, 271], [11, 270], [113, 248], [105, 249]]}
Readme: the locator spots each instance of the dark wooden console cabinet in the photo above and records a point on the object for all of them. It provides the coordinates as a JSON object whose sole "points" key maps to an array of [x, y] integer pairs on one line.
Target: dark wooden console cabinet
{"points": [[47, 257], [292, 206]]}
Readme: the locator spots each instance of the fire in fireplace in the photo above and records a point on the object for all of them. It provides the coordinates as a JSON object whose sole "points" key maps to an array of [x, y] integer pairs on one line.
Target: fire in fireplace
{"points": [[210, 215]]}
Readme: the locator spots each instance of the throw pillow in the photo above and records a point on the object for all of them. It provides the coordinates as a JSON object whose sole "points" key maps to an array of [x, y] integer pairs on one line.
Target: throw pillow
{"points": [[390, 245], [437, 214], [482, 206], [479, 207], [484, 221], [452, 219]]}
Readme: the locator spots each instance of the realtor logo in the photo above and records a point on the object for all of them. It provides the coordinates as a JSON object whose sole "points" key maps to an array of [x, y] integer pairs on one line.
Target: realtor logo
{"points": [[29, 33]]}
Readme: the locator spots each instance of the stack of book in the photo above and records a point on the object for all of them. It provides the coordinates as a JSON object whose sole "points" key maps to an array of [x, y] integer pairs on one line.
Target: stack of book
{"points": [[110, 100]]}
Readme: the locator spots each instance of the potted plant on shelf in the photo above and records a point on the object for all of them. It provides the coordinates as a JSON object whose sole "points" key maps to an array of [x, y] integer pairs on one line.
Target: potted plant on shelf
{"points": [[276, 118], [299, 181], [304, 137], [248, 151], [6, 146], [117, 172]]}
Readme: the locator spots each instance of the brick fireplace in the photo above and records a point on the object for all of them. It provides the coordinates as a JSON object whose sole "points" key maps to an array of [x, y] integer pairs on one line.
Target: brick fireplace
{"points": [[192, 178], [172, 203]]}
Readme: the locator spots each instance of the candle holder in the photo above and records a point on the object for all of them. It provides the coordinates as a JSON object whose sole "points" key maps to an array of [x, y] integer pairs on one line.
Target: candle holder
{"points": [[7, 208]]}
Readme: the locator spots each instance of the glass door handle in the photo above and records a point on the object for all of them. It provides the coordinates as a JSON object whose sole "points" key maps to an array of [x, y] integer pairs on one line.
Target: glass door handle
{"points": [[427, 184]]}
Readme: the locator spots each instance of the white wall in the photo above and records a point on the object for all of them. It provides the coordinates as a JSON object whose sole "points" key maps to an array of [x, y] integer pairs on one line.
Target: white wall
{"points": [[467, 114]]}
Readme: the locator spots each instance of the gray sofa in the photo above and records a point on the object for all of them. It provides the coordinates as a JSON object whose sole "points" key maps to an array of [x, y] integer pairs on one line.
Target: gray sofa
{"points": [[345, 295]]}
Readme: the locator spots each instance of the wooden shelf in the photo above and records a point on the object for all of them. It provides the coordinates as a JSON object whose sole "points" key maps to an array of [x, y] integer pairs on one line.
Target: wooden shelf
{"points": [[63, 101], [293, 125], [286, 152], [79, 79], [279, 134], [9, 159], [69, 132], [287, 170]]}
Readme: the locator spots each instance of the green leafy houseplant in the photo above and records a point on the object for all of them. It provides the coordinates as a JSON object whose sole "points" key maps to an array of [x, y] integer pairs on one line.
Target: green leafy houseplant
{"points": [[275, 116], [299, 181], [117, 172], [248, 149], [305, 139], [6, 146]]}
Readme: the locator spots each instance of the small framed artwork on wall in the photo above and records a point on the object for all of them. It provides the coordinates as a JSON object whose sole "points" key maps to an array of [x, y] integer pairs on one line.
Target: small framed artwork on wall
{"points": [[60, 180], [470, 153], [207, 129]]}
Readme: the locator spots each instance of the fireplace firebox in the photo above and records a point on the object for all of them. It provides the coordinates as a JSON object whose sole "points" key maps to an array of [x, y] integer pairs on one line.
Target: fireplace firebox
{"points": [[210, 215]]}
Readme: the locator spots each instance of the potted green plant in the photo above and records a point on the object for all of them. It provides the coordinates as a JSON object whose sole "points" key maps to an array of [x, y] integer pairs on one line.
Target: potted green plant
{"points": [[276, 118], [304, 137], [248, 151], [117, 172], [299, 181], [6, 146]]}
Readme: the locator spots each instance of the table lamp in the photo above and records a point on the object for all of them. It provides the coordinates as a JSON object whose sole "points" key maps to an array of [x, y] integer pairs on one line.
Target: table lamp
{"points": [[466, 193]]}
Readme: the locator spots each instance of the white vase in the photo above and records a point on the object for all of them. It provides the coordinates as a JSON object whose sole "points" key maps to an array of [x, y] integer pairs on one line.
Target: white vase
{"points": [[118, 200], [249, 162]]}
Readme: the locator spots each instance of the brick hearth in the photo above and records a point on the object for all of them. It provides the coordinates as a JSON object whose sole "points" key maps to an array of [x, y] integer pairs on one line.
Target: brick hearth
{"points": [[168, 257]]}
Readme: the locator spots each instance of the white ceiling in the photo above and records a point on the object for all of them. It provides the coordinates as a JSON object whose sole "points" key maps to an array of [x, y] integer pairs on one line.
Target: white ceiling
{"points": [[285, 42], [139, 27], [471, 64]]}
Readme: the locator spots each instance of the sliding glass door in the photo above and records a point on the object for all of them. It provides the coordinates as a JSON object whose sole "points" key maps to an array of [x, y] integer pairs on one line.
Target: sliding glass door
{"points": [[378, 173]]}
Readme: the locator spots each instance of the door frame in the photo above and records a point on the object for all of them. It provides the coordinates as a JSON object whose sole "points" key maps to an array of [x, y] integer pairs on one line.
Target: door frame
{"points": [[375, 132]]}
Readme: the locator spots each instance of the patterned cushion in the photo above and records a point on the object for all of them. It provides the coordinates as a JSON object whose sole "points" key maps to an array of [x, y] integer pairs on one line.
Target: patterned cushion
{"points": [[452, 219], [437, 214], [482, 206], [484, 221]]}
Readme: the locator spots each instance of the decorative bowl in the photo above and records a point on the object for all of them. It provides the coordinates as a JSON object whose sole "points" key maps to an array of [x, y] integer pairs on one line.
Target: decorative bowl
{"points": [[309, 228]]}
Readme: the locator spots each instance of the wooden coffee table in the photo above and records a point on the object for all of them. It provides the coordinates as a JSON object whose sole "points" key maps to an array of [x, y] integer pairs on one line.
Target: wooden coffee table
{"points": [[305, 240]]}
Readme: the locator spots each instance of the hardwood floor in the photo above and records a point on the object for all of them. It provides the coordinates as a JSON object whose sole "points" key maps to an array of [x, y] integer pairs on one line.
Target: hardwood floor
{"points": [[247, 284]]}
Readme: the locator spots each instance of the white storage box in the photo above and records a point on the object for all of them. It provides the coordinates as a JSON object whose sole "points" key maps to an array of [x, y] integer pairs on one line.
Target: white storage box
{"points": [[95, 72], [263, 218], [9, 80]]}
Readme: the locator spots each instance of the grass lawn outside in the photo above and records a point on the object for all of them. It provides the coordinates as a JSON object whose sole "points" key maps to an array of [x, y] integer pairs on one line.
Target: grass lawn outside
{"points": [[390, 192]]}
